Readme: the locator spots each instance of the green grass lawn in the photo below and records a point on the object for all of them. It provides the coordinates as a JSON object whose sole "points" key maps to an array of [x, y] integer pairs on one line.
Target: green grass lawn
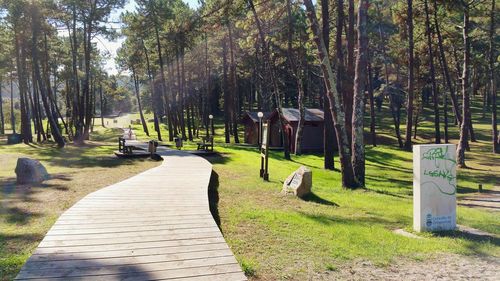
{"points": [[282, 237], [274, 236]]}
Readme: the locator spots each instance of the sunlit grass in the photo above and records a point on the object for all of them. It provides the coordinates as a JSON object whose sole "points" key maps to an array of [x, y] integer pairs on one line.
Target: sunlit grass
{"points": [[272, 235]]}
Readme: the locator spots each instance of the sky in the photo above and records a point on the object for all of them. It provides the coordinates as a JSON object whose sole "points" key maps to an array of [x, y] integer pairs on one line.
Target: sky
{"points": [[110, 47]]}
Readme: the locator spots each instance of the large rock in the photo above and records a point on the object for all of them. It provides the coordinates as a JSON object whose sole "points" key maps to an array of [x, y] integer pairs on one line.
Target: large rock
{"points": [[299, 182], [30, 171]]}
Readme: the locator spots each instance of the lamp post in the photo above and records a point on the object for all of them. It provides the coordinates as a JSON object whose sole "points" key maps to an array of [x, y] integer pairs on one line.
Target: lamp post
{"points": [[259, 135], [211, 117]]}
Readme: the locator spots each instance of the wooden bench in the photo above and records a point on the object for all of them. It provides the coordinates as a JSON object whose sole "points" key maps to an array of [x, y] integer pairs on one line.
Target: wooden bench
{"points": [[207, 144]]}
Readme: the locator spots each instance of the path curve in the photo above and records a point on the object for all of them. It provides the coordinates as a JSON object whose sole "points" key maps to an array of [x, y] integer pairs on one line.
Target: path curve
{"points": [[153, 226]]}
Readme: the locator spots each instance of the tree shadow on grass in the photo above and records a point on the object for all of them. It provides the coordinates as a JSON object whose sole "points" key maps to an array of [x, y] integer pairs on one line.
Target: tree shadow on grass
{"points": [[360, 220], [88, 155], [479, 178], [405, 184], [309, 165], [465, 190], [217, 158], [387, 192], [13, 248], [9, 186], [18, 216], [473, 237], [387, 167], [385, 158], [312, 197]]}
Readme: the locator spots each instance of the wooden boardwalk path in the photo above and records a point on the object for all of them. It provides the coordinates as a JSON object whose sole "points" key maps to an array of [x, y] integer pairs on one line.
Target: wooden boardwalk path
{"points": [[154, 226]]}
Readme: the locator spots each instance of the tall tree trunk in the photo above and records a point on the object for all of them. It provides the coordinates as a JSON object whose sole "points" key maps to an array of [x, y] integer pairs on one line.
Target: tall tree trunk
{"points": [[163, 86], [41, 83], [297, 73], [101, 105], [491, 70], [392, 106], [464, 127], [12, 115], [234, 85], [52, 91], [372, 101], [2, 121], [445, 112], [225, 82], [93, 91], [208, 99], [173, 90], [179, 123], [409, 104], [336, 107], [34, 99], [348, 81], [154, 97], [445, 68], [271, 80], [182, 90], [435, 100], [86, 91], [328, 130], [76, 108], [300, 125], [189, 111], [358, 146], [188, 119], [23, 87], [139, 104]]}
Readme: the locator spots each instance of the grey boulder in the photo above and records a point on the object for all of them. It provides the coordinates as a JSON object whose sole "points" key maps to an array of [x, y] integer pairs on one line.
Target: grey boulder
{"points": [[30, 171]]}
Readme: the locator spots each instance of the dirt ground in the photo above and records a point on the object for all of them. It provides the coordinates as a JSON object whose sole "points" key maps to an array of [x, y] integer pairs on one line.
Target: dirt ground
{"points": [[489, 199], [445, 267]]}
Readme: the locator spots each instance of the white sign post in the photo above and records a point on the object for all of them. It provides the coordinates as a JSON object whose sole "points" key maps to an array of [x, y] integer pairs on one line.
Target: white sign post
{"points": [[434, 187]]}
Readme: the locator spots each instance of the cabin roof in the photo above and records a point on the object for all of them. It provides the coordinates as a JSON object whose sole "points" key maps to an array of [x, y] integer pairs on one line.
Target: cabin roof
{"points": [[253, 116], [311, 114]]}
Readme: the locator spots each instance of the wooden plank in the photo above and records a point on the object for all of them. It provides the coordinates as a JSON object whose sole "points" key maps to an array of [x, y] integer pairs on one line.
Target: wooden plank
{"points": [[125, 240], [127, 246], [235, 276], [131, 234], [135, 228], [126, 223], [155, 225], [110, 216], [44, 256], [112, 270], [125, 260], [159, 274], [139, 221]]}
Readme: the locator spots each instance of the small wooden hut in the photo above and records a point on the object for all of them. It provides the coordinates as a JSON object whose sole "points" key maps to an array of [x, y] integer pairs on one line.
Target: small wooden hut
{"points": [[251, 122], [312, 136]]}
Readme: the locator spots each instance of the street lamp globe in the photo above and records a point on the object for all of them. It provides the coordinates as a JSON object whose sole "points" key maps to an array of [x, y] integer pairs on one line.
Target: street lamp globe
{"points": [[210, 117], [260, 114]]}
